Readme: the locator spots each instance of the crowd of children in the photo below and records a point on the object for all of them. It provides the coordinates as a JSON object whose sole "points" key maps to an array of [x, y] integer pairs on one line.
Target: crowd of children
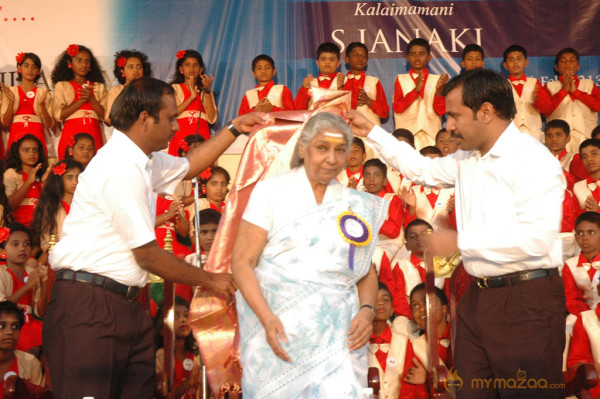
{"points": [[35, 196]]}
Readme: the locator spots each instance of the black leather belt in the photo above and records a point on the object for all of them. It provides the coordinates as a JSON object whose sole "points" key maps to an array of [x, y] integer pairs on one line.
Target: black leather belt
{"points": [[514, 278], [128, 292]]}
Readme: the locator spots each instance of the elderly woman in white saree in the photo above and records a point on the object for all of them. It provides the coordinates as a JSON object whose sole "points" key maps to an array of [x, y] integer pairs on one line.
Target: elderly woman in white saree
{"points": [[302, 262]]}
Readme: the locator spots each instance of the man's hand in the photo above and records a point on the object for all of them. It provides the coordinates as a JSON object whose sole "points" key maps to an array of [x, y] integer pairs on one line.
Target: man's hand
{"points": [[245, 123], [222, 283], [443, 243], [360, 125]]}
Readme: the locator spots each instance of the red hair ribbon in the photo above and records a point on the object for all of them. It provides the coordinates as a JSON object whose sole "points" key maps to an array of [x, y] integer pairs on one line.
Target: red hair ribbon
{"points": [[20, 58], [180, 54]]}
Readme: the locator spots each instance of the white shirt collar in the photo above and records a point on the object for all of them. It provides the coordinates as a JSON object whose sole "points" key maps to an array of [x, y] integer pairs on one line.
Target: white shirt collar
{"points": [[127, 146]]}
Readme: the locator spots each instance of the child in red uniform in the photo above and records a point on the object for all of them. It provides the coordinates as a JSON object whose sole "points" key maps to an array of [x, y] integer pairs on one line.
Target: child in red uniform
{"points": [[472, 57], [209, 222], [580, 274], [353, 175], [55, 202], [557, 135], [79, 93], [266, 96], [575, 100], [128, 65], [214, 183], [387, 345], [585, 345], [81, 149], [368, 96], [196, 106], [409, 271], [391, 237], [531, 98], [27, 288], [587, 191], [24, 177], [14, 361], [26, 107], [415, 375], [418, 101], [328, 62], [187, 365]]}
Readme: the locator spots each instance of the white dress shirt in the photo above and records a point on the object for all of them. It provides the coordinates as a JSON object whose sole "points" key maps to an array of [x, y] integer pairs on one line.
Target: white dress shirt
{"points": [[508, 202], [114, 209]]}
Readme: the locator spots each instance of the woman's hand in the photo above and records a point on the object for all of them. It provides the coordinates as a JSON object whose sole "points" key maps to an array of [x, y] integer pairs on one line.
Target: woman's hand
{"points": [[274, 332], [361, 329]]}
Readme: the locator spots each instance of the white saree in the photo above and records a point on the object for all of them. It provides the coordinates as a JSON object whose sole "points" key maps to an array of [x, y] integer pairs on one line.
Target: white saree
{"points": [[305, 277]]}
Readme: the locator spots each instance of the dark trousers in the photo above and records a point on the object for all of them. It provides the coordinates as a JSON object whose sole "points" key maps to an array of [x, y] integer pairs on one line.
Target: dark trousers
{"points": [[510, 340], [98, 344]]}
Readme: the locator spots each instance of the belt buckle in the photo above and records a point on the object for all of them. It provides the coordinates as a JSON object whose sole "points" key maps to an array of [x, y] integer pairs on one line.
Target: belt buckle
{"points": [[131, 293], [485, 283]]}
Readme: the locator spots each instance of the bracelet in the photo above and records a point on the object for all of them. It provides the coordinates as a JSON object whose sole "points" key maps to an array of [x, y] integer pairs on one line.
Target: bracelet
{"points": [[368, 307]]}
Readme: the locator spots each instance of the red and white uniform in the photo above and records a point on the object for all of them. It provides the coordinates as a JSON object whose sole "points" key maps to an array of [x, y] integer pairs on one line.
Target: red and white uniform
{"points": [[372, 86], [31, 333], [585, 344], [581, 278], [84, 120], [391, 233], [387, 352], [304, 97], [26, 366], [26, 114], [528, 119], [189, 119], [179, 250], [432, 206], [584, 188], [278, 95], [417, 349], [418, 112], [406, 274], [181, 369], [579, 109], [13, 181], [396, 180], [571, 162], [346, 174]]}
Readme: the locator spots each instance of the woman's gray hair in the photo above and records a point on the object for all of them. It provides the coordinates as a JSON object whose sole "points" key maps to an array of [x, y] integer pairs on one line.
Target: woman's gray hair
{"points": [[316, 124]]}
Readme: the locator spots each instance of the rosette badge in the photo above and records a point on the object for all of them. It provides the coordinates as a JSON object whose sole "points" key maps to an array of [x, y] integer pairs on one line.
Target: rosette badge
{"points": [[355, 231]]}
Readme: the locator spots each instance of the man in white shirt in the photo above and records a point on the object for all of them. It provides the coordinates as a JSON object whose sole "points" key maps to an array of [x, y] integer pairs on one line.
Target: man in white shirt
{"points": [[98, 338], [509, 191]]}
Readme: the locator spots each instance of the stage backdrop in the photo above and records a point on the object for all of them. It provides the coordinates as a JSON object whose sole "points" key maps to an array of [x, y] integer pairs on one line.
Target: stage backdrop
{"points": [[229, 33]]}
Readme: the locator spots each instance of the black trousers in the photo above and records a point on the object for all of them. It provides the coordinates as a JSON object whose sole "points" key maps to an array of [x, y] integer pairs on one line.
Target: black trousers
{"points": [[98, 344], [510, 340]]}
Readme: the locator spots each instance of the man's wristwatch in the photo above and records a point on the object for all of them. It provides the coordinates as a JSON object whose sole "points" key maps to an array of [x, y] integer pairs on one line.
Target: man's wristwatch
{"points": [[233, 129]]}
